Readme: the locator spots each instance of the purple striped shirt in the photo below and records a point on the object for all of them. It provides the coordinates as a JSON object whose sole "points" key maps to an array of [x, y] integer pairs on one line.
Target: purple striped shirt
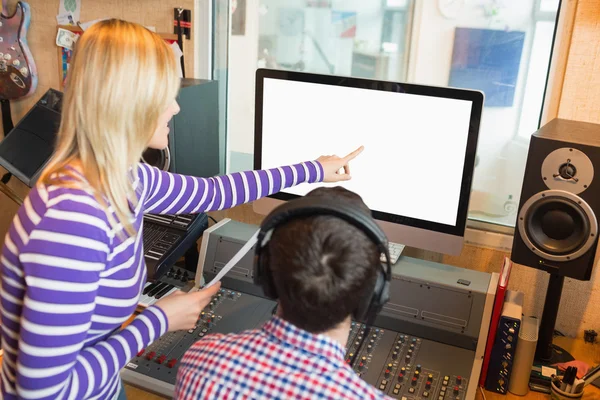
{"points": [[69, 281]]}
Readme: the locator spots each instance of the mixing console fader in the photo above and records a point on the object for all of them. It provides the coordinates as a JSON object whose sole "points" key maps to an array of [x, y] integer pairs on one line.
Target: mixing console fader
{"points": [[392, 362], [230, 311]]}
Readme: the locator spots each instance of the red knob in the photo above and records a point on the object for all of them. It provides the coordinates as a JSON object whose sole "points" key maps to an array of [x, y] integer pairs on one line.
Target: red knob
{"points": [[150, 355], [141, 352], [172, 362]]}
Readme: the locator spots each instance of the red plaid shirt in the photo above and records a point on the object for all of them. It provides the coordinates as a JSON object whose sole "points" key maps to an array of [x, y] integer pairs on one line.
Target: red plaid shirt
{"points": [[277, 361]]}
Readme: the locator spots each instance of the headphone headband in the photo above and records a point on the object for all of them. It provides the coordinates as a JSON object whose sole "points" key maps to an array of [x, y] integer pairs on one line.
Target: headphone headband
{"points": [[313, 206]]}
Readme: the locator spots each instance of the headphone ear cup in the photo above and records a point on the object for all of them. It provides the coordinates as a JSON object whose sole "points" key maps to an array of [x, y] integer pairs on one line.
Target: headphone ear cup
{"points": [[379, 296], [262, 274]]}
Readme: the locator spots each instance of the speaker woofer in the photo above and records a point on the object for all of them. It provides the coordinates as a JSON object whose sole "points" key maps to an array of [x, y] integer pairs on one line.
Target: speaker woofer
{"points": [[160, 159], [557, 225]]}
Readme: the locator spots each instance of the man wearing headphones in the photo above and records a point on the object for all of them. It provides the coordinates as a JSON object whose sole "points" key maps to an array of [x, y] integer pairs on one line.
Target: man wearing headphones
{"points": [[319, 257]]}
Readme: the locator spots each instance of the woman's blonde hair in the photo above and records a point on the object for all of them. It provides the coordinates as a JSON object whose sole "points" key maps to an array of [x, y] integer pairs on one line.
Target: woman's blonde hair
{"points": [[121, 79]]}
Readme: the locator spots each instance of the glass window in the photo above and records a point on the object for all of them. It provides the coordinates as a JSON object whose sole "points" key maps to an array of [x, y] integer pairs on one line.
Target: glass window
{"points": [[501, 48]]}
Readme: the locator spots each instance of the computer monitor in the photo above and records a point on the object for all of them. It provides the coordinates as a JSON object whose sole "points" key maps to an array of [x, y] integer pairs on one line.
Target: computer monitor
{"points": [[416, 170]]}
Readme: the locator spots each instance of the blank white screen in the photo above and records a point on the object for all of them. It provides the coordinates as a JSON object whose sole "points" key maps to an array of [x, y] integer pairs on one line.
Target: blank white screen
{"points": [[415, 145]]}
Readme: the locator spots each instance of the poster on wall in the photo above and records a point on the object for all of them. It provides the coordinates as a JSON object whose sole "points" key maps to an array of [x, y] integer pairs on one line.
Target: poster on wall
{"points": [[344, 23], [238, 17], [68, 12], [487, 60]]}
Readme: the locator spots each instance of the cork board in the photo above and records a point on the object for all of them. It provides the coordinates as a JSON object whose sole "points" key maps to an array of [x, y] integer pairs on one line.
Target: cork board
{"points": [[42, 35], [64, 55]]}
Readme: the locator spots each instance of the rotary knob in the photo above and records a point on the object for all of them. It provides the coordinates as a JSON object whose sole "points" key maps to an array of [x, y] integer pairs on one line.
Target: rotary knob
{"points": [[388, 370], [363, 363]]}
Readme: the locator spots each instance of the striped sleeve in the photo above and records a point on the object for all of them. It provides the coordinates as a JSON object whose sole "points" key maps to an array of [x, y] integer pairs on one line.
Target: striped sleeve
{"points": [[167, 193], [61, 264]]}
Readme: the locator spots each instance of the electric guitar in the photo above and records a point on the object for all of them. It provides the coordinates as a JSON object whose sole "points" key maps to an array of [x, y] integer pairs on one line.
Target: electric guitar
{"points": [[18, 73]]}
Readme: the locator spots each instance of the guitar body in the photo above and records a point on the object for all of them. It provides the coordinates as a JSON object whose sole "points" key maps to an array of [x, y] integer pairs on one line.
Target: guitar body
{"points": [[18, 73]]}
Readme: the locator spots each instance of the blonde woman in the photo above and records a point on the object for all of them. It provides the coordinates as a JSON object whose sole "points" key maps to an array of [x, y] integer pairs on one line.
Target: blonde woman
{"points": [[72, 264]]}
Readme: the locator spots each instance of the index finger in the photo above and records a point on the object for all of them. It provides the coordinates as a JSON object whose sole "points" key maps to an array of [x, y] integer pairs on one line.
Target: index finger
{"points": [[354, 154]]}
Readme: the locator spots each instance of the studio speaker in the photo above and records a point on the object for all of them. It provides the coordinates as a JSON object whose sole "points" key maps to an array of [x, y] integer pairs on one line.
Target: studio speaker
{"points": [[557, 222], [195, 146]]}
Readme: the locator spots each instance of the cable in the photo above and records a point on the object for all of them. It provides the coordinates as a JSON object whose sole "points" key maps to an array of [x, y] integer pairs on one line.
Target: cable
{"points": [[214, 220], [482, 392], [10, 193]]}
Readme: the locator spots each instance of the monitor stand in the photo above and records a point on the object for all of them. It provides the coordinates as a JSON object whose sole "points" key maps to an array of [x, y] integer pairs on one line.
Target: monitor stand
{"points": [[546, 352]]}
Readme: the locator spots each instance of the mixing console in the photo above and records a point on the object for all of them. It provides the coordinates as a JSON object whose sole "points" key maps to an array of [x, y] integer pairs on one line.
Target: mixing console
{"points": [[155, 368], [422, 346], [388, 360]]}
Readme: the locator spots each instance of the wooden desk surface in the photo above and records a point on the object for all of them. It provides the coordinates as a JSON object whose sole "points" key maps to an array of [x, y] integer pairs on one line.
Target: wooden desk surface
{"points": [[580, 350]]}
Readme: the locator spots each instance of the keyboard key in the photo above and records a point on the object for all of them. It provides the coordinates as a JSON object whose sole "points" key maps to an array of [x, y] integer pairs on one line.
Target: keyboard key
{"points": [[149, 286], [157, 289], [164, 291]]}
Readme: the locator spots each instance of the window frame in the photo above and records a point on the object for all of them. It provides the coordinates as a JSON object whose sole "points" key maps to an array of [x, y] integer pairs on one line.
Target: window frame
{"points": [[538, 16], [489, 234], [479, 233]]}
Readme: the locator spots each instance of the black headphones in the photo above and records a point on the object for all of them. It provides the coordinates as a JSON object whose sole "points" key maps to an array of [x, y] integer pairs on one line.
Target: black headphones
{"points": [[312, 206]]}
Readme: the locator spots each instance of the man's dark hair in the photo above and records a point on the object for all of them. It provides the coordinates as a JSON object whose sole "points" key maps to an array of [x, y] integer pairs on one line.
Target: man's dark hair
{"points": [[322, 266]]}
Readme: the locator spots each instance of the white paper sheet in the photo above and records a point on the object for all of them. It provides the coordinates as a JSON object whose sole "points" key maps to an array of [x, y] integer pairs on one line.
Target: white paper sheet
{"points": [[177, 53], [65, 19], [85, 25], [72, 7]]}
